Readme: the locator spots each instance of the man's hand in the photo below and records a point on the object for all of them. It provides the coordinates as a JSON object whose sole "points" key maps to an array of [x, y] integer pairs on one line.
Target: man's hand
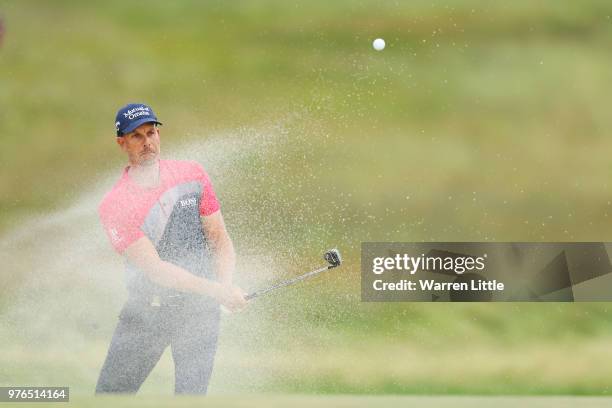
{"points": [[230, 296]]}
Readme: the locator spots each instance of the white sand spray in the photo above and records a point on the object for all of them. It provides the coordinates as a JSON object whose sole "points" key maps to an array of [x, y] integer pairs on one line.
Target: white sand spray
{"points": [[56, 322]]}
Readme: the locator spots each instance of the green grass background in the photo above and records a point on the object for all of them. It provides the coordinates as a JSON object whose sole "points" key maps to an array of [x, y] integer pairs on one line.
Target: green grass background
{"points": [[480, 121]]}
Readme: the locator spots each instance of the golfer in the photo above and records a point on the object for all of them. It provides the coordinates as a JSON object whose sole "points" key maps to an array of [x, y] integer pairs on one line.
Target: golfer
{"points": [[164, 218]]}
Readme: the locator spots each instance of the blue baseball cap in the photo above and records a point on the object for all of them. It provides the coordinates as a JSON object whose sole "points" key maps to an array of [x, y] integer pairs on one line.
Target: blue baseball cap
{"points": [[133, 115]]}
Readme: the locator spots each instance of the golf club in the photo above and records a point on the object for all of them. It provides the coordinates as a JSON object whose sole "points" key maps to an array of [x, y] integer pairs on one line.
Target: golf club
{"points": [[332, 257]]}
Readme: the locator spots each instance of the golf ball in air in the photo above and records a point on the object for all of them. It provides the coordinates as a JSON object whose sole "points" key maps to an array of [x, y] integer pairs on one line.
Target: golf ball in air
{"points": [[379, 44]]}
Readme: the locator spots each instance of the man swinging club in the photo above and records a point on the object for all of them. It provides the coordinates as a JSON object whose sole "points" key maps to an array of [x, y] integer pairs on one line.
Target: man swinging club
{"points": [[164, 218]]}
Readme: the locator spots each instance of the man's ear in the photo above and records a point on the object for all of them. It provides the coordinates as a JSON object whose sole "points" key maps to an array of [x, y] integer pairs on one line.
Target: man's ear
{"points": [[120, 141]]}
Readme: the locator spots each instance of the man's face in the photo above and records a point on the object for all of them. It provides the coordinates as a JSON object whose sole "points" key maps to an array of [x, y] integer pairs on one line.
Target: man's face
{"points": [[141, 145]]}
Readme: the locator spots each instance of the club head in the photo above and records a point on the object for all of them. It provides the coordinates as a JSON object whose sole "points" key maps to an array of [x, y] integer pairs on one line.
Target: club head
{"points": [[333, 257]]}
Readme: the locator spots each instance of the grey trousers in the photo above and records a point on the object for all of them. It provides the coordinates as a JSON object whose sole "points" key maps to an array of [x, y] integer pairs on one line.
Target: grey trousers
{"points": [[190, 328]]}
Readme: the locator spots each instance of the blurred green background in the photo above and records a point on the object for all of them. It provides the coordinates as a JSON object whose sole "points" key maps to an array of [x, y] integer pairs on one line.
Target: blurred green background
{"points": [[480, 121]]}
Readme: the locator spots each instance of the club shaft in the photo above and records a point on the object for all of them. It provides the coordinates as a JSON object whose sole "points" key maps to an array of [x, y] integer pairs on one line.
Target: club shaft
{"points": [[287, 282]]}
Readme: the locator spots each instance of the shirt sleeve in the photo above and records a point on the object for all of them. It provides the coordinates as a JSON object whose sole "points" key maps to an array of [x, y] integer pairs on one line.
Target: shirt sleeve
{"points": [[121, 228], [208, 201]]}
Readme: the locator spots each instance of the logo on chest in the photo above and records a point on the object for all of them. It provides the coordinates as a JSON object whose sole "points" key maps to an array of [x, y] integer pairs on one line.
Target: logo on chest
{"points": [[188, 202]]}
